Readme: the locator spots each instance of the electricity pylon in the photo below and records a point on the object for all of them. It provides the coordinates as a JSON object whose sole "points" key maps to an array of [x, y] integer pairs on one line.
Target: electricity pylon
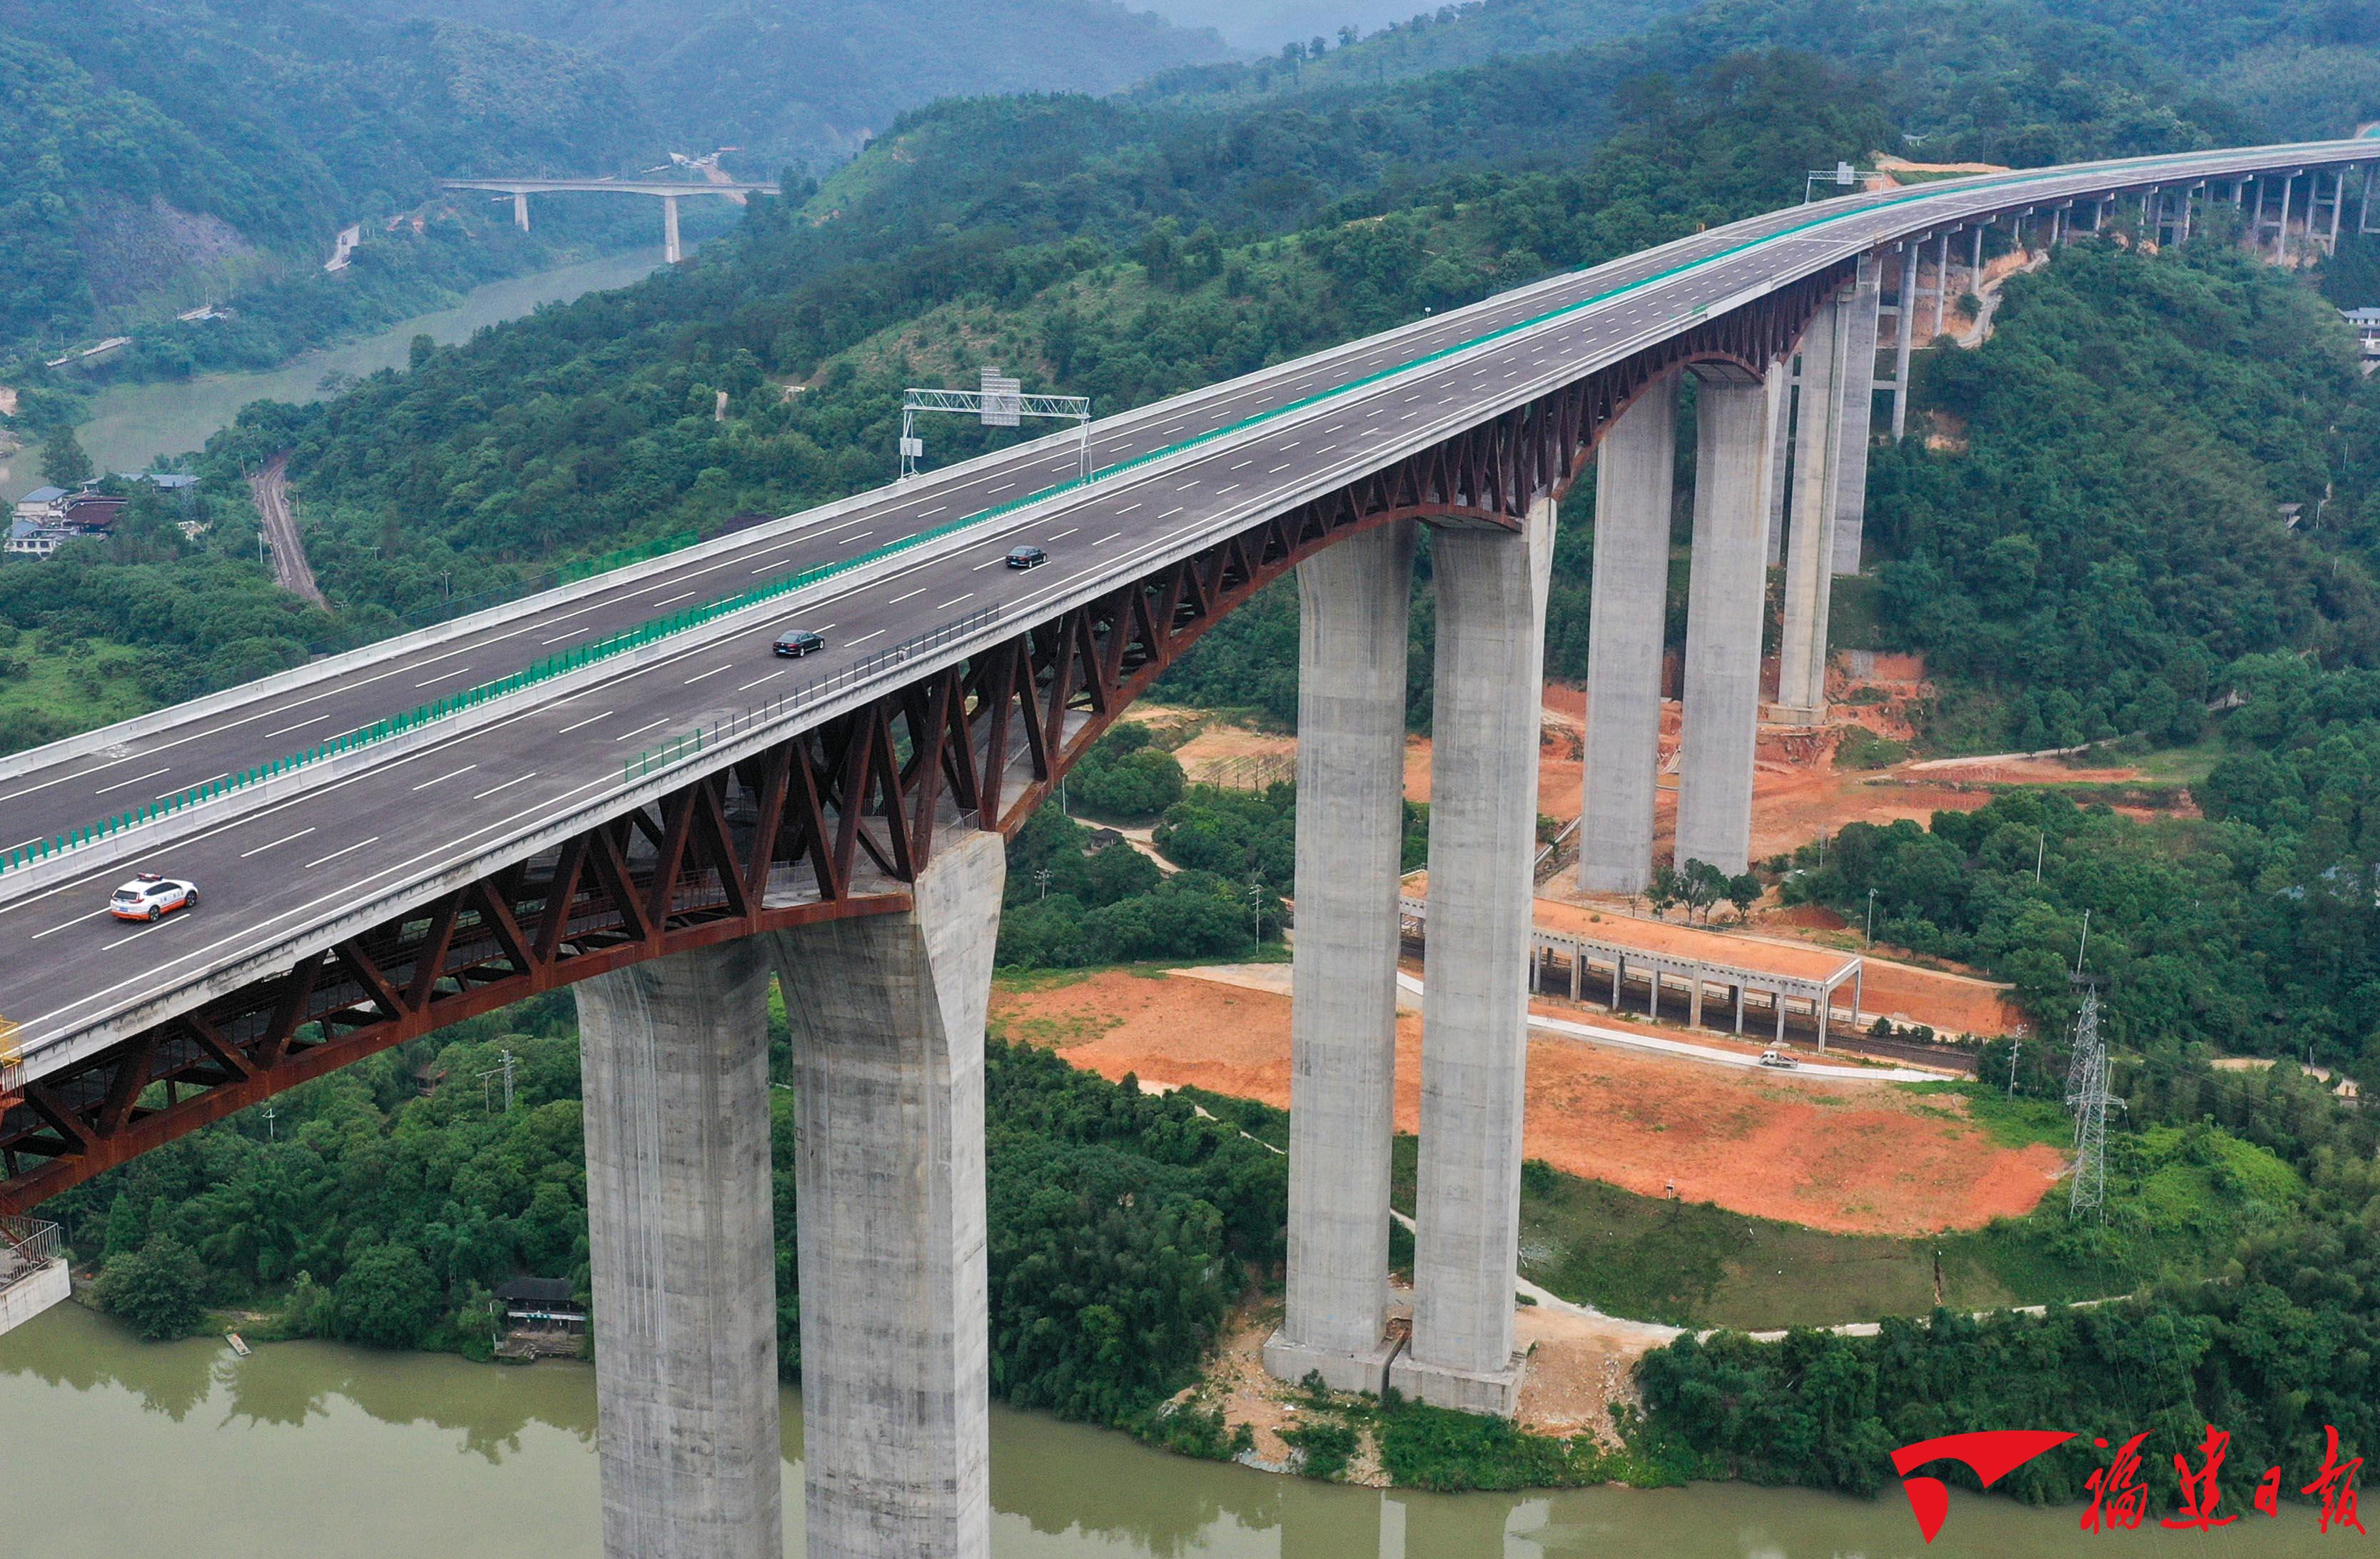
{"points": [[2086, 1095]]}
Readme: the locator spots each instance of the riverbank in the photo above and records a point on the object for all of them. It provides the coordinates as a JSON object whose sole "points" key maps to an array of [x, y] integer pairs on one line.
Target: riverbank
{"points": [[128, 425]]}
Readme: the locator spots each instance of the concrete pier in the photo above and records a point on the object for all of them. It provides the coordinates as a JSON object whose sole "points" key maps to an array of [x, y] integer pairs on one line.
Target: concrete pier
{"points": [[1781, 449], [1723, 606], [672, 250], [1855, 389], [1491, 604], [1634, 475], [887, 1014], [1809, 540], [1354, 609], [681, 1240]]}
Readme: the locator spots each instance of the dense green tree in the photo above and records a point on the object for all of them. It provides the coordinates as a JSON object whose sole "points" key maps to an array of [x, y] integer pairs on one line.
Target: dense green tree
{"points": [[386, 1297], [158, 1289], [64, 463]]}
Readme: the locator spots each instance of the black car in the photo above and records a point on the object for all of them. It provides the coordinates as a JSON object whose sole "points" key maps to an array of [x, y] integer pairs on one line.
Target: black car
{"points": [[799, 642], [1027, 557]]}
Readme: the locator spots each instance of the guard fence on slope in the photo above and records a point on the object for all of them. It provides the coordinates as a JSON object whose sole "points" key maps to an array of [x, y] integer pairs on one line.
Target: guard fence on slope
{"points": [[694, 616]]}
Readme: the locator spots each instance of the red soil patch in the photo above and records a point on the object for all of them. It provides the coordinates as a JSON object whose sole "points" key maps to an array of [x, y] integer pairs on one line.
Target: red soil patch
{"points": [[1850, 1161]]}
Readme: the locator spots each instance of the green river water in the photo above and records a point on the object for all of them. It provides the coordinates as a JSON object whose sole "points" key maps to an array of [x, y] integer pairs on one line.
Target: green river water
{"points": [[131, 424], [117, 1447]]}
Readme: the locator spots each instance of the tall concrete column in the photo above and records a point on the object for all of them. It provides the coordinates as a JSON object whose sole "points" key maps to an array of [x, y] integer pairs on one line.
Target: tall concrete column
{"points": [[671, 252], [1353, 603], [1904, 338], [1780, 448], [1723, 602], [1491, 606], [682, 1248], [887, 1014], [1856, 390], [1809, 544], [1634, 473]]}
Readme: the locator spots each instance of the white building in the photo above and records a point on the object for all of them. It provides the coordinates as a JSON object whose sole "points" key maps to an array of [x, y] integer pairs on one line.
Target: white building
{"points": [[43, 506], [2366, 326]]}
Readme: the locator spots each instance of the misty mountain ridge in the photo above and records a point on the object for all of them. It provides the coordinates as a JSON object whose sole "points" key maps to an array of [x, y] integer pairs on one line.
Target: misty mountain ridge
{"points": [[810, 81]]}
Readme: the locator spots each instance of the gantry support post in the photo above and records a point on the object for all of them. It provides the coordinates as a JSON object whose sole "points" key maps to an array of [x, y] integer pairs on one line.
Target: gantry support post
{"points": [[1353, 612], [887, 1034], [1636, 468], [1723, 602], [682, 1246], [1491, 606], [1809, 544], [1857, 390]]}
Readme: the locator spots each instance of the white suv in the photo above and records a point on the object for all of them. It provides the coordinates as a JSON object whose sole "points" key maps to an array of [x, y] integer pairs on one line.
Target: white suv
{"points": [[152, 897]]}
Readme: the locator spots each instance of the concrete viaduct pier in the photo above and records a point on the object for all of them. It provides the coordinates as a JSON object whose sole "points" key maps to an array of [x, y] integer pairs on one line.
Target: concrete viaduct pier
{"points": [[887, 1014]]}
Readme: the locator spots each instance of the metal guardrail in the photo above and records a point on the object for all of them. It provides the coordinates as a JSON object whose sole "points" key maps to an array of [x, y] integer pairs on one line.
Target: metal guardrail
{"points": [[33, 1241], [701, 739], [695, 616]]}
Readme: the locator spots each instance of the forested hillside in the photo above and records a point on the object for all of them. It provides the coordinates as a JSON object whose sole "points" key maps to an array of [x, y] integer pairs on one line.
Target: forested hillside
{"points": [[2008, 81], [810, 81], [173, 151]]}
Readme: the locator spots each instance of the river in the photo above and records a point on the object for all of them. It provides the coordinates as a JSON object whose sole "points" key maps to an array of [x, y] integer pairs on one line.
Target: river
{"points": [[131, 424], [315, 1451]]}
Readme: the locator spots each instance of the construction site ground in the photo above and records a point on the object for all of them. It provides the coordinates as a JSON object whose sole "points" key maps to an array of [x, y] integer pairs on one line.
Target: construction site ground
{"points": [[1800, 794], [1847, 1159]]}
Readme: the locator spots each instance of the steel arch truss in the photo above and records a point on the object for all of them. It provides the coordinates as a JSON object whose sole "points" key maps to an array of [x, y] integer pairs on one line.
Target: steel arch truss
{"points": [[836, 820]]}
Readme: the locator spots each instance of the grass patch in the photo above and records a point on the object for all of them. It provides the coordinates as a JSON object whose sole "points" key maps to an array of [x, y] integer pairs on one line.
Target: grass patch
{"points": [[1960, 719], [1329, 1445], [1437, 1448], [2012, 1123], [1863, 749], [1854, 606], [2181, 765]]}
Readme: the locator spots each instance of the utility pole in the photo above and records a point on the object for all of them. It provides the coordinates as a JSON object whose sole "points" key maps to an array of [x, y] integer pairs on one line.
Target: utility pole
{"points": [[2016, 1043], [2040, 848], [1041, 880], [1255, 904], [272, 1132], [1871, 919], [504, 1070]]}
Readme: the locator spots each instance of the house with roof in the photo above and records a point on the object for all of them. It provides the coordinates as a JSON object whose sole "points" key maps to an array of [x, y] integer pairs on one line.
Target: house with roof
{"points": [[45, 505], [2366, 323]]}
